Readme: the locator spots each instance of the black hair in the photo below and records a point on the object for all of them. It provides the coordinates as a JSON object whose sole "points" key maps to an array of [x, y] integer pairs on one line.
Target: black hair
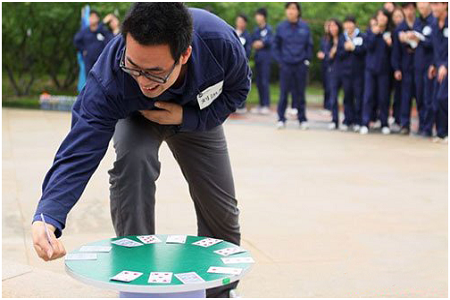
{"points": [[261, 11], [389, 25], [299, 8], [406, 4], [350, 18], [339, 25], [243, 17], [94, 12], [159, 23]]}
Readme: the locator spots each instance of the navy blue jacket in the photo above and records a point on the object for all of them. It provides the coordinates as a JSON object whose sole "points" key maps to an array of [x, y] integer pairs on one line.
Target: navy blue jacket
{"points": [[423, 56], [246, 41], [293, 43], [92, 43], [439, 38], [402, 58], [111, 94], [325, 46], [351, 62], [266, 36], [378, 53]]}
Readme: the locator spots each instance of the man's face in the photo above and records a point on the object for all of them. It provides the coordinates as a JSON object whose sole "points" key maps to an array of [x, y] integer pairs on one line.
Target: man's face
{"points": [[389, 6], [93, 19], [292, 13], [409, 11], [156, 60], [438, 9], [424, 8], [240, 23], [260, 19], [349, 27]]}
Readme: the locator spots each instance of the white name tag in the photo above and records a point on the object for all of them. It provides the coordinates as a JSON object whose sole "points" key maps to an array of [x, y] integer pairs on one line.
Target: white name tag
{"points": [[206, 97], [100, 37], [446, 32], [358, 41], [426, 30]]}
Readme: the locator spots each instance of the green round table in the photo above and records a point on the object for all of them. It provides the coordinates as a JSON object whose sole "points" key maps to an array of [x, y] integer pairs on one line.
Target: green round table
{"points": [[157, 257]]}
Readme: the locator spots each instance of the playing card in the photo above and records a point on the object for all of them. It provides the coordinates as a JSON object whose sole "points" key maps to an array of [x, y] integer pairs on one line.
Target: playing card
{"points": [[103, 249], [127, 243], [176, 239], [160, 277], [81, 256], [225, 270], [189, 278], [126, 276], [149, 239], [229, 251], [207, 242], [237, 260]]}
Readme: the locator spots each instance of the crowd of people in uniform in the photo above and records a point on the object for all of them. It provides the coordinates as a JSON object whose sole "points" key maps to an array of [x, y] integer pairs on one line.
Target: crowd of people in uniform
{"points": [[403, 52]]}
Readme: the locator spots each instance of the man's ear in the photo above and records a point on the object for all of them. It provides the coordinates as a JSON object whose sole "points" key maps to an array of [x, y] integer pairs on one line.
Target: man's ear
{"points": [[185, 56]]}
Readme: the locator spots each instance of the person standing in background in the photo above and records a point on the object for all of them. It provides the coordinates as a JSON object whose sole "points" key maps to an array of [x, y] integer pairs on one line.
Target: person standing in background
{"points": [[245, 38], [323, 56], [423, 57], [335, 30], [402, 60], [262, 43], [113, 23], [389, 7], [397, 18], [377, 74], [292, 50], [351, 54], [92, 40], [439, 69]]}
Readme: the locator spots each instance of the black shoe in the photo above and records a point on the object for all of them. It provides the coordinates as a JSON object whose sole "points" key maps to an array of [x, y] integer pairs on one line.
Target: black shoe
{"points": [[404, 131]]}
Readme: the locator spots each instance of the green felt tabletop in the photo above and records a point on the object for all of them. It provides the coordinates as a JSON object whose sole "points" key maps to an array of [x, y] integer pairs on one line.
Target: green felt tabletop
{"points": [[158, 257]]}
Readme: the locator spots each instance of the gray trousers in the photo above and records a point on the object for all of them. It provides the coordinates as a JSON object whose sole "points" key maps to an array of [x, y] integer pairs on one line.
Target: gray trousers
{"points": [[205, 164]]}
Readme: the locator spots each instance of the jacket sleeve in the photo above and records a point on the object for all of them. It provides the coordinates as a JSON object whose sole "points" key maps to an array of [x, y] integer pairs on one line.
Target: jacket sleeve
{"points": [[277, 44], [341, 53], [79, 155], [78, 40], [310, 46], [268, 39], [370, 41], [236, 86], [396, 56]]}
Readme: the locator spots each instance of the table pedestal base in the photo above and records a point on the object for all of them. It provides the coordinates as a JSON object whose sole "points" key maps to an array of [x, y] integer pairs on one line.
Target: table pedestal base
{"points": [[193, 294]]}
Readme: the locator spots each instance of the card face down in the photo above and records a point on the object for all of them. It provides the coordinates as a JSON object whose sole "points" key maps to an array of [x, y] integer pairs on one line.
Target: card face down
{"points": [[81, 256], [176, 239], [101, 249]]}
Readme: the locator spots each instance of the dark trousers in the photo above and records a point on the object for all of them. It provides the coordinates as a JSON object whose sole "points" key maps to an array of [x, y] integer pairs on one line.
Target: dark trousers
{"points": [[293, 80], [376, 84], [440, 107], [263, 81], [397, 100], [408, 93], [204, 162], [353, 94]]}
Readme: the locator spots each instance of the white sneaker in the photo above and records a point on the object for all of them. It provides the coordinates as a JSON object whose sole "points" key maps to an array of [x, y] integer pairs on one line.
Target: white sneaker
{"points": [[304, 125], [395, 127], [364, 130], [235, 294], [445, 140], [440, 140], [343, 127], [332, 126], [356, 128], [385, 130], [281, 125], [241, 110], [391, 120], [256, 110], [265, 110], [377, 124]]}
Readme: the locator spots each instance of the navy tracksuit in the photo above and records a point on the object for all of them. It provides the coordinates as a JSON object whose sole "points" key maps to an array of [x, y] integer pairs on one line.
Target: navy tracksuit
{"points": [[293, 51], [402, 59], [347, 70], [423, 58], [376, 78], [92, 43], [246, 41], [439, 39], [325, 47], [263, 61]]}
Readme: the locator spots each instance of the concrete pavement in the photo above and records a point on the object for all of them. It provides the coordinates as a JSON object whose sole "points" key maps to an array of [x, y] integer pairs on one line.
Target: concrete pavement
{"points": [[325, 214]]}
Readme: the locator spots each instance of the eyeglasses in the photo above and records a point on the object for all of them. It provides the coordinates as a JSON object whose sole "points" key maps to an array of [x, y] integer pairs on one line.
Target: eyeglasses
{"points": [[137, 73]]}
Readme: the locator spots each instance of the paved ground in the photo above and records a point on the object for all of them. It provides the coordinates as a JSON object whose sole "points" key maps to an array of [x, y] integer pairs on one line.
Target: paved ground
{"points": [[325, 214]]}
